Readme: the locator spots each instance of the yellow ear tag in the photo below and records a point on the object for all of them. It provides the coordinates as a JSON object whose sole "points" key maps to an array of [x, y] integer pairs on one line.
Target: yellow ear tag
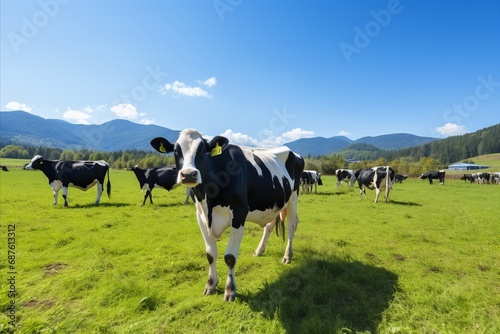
{"points": [[162, 148], [41, 162], [217, 150]]}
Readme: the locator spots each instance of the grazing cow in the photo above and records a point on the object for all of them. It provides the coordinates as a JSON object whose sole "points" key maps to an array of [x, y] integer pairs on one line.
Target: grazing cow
{"points": [[400, 178], [309, 179], [157, 177], [483, 177], [234, 184], [495, 178], [434, 175], [345, 175], [4, 168], [372, 178], [78, 174], [468, 177]]}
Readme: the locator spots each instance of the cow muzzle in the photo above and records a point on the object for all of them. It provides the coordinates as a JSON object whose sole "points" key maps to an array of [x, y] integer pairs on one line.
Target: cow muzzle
{"points": [[189, 177]]}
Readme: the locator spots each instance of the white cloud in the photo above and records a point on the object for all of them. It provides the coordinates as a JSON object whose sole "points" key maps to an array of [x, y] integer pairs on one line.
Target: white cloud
{"points": [[344, 133], [146, 121], [451, 129], [269, 138], [183, 89], [76, 116], [125, 110], [210, 82], [13, 105]]}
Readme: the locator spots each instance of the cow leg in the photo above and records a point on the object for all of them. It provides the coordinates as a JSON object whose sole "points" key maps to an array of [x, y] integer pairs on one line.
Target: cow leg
{"points": [[293, 221], [212, 253], [268, 229], [65, 195], [56, 193], [99, 193], [377, 193], [230, 257]]}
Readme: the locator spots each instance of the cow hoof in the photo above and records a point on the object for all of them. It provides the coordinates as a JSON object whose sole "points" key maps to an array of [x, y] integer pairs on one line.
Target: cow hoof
{"points": [[287, 260], [210, 287], [229, 297]]}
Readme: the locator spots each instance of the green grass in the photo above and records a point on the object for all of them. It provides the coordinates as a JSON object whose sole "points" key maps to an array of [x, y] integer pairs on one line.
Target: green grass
{"points": [[427, 262]]}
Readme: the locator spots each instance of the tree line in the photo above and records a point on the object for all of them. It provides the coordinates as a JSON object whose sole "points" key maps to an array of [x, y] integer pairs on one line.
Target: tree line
{"points": [[412, 161]]}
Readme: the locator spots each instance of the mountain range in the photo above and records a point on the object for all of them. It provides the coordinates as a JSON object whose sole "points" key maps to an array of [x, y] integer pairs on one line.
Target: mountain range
{"points": [[20, 127]]}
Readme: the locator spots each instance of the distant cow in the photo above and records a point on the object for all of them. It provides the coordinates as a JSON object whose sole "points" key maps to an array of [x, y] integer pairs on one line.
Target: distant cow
{"points": [[372, 178], [483, 177], [434, 175], [78, 174], [234, 184], [309, 179], [345, 175], [398, 178], [495, 178], [4, 168], [468, 177], [157, 177]]}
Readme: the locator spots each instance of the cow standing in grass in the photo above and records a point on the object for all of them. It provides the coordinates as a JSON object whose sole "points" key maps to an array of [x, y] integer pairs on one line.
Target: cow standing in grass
{"points": [[373, 178], [78, 174], [434, 175], [234, 184]]}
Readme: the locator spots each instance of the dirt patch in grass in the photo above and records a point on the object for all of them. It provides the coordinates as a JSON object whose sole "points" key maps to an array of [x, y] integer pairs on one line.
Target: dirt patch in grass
{"points": [[54, 268]]}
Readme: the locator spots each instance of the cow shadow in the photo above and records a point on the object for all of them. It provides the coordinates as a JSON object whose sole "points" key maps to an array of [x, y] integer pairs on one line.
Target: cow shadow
{"points": [[92, 205], [327, 295], [404, 203]]}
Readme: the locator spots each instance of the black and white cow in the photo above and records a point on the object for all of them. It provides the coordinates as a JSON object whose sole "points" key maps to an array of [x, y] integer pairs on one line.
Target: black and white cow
{"points": [[434, 175], [309, 179], [468, 177], [483, 177], [495, 178], [234, 184], [400, 178], [157, 177], [78, 174], [345, 175], [373, 178]]}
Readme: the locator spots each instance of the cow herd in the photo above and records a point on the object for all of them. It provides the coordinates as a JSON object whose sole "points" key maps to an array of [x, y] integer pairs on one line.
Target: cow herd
{"points": [[229, 185], [482, 178]]}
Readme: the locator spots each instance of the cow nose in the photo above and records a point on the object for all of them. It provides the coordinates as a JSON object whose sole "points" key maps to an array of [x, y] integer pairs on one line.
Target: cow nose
{"points": [[189, 176], [185, 175]]}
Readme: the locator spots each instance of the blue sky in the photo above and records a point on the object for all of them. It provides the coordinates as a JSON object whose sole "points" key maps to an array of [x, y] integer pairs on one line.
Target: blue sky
{"points": [[260, 72]]}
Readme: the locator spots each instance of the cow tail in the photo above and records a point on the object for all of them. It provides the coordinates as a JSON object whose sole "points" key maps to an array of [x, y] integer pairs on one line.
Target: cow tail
{"points": [[280, 227], [108, 186]]}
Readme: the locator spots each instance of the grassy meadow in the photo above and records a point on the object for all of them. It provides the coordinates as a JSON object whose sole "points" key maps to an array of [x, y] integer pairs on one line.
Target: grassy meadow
{"points": [[426, 262]]}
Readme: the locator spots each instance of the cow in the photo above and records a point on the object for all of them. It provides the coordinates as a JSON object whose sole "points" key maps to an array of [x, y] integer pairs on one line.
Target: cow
{"points": [[483, 177], [495, 178], [157, 177], [4, 168], [434, 175], [78, 174], [234, 184], [468, 177], [400, 178], [309, 179], [372, 178], [345, 175]]}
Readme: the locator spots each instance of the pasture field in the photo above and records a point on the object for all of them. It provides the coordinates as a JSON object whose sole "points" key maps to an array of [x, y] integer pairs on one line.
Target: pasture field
{"points": [[426, 262]]}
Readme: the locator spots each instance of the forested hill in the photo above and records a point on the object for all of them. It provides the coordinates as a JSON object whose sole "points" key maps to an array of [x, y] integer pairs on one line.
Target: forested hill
{"points": [[448, 150]]}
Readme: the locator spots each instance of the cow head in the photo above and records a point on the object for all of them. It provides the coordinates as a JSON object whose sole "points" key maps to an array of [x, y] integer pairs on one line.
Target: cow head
{"points": [[35, 163], [190, 152]]}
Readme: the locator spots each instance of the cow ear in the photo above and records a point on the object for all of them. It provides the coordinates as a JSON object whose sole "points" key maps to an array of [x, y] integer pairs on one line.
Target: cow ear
{"points": [[217, 144], [162, 145]]}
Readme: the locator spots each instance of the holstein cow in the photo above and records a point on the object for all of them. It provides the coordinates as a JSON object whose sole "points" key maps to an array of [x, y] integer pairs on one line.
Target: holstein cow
{"points": [[483, 177], [78, 174], [309, 179], [434, 175], [495, 178], [157, 177], [400, 178], [372, 178], [234, 184], [345, 175]]}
